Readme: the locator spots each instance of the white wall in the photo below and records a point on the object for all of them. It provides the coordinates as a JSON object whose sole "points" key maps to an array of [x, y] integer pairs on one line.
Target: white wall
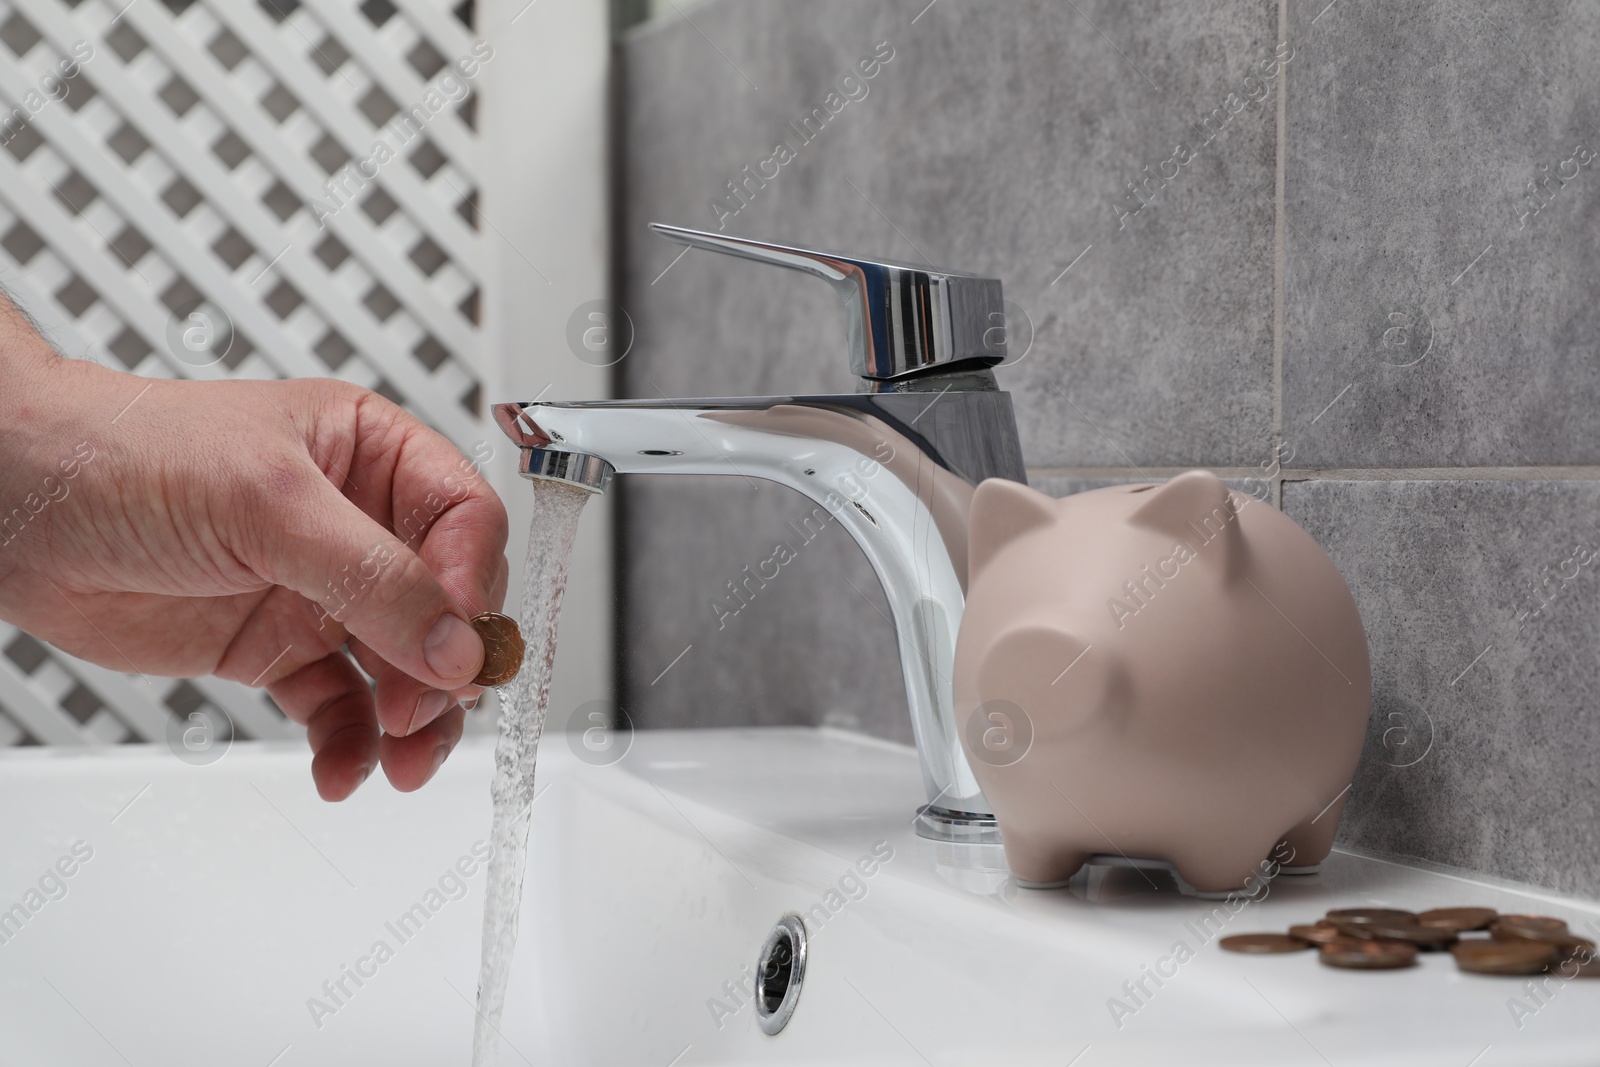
{"points": [[544, 126]]}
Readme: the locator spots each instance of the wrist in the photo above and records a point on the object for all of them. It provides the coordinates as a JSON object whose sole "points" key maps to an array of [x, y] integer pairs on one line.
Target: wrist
{"points": [[25, 356], [43, 439]]}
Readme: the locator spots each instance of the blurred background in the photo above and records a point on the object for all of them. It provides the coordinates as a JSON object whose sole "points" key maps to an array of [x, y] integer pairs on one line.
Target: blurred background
{"points": [[1343, 254], [412, 196]]}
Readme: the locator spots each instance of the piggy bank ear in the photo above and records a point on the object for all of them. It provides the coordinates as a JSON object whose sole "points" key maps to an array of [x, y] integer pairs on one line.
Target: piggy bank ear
{"points": [[1002, 511], [1197, 509]]}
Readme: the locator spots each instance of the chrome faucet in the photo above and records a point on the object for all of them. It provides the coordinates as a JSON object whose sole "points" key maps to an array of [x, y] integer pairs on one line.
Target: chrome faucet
{"points": [[895, 463]]}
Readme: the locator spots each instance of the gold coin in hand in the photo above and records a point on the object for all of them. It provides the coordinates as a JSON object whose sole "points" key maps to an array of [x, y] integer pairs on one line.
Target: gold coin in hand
{"points": [[502, 648]]}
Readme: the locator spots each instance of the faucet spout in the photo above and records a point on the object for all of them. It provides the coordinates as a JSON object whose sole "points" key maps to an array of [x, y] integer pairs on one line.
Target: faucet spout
{"points": [[896, 467]]}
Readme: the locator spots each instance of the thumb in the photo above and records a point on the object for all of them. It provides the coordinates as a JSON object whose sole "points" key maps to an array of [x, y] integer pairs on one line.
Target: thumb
{"points": [[364, 578]]}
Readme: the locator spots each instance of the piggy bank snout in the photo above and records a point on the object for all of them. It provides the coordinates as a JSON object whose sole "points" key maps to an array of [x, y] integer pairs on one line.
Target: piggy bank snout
{"points": [[1049, 675]]}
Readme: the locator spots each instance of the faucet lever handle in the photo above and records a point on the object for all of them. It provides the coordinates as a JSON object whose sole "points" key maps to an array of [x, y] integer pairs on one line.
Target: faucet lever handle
{"points": [[903, 320]]}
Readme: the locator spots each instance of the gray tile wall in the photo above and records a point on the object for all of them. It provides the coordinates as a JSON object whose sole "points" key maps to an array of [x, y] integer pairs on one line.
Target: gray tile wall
{"points": [[1350, 271]]}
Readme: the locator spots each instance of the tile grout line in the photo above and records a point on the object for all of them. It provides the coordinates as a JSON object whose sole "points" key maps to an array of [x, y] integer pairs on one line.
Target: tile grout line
{"points": [[1574, 473], [1140, 474], [1279, 260]]}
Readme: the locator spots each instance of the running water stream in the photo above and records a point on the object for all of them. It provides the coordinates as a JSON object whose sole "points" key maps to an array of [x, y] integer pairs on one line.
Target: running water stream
{"points": [[523, 702]]}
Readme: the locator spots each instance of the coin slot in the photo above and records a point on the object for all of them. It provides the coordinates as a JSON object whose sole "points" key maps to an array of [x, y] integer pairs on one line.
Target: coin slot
{"points": [[865, 512]]}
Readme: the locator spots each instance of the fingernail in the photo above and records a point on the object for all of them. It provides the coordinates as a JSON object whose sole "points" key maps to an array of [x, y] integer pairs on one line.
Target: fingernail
{"points": [[452, 648], [469, 703], [430, 706]]}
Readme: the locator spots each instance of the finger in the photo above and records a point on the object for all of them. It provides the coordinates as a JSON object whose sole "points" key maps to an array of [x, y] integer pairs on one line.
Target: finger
{"points": [[376, 666], [393, 714], [409, 762], [497, 588], [404, 704], [313, 540], [332, 700], [282, 632], [434, 499]]}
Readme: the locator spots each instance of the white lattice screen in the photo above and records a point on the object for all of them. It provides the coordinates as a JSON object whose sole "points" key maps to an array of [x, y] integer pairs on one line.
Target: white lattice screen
{"points": [[183, 171]]}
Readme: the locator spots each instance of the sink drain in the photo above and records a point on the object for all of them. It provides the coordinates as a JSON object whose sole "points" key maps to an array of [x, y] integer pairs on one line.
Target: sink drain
{"points": [[780, 969]]}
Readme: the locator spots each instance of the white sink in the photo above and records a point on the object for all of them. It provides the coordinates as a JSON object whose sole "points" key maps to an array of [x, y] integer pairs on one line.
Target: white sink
{"points": [[218, 902]]}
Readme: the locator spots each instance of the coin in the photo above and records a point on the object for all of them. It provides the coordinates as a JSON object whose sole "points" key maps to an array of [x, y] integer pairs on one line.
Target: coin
{"points": [[1263, 944], [1569, 943], [502, 648], [1571, 968], [1581, 947], [1573, 945], [1538, 927], [1458, 919], [1317, 933], [1554, 932], [1424, 937], [1352, 954], [1349, 928], [1372, 915], [1504, 957]]}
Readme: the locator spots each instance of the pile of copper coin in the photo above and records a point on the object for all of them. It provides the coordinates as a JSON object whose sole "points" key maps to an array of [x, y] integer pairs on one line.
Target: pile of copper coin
{"points": [[1481, 939]]}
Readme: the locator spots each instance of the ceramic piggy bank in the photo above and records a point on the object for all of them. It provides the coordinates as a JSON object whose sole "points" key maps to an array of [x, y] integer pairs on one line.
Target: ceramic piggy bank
{"points": [[1171, 672]]}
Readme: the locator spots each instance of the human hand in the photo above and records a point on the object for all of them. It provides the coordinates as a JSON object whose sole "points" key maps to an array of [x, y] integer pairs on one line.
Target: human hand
{"points": [[252, 530]]}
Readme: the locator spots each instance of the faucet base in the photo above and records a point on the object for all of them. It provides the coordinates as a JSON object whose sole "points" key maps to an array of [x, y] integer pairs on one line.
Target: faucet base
{"points": [[957, 827]]}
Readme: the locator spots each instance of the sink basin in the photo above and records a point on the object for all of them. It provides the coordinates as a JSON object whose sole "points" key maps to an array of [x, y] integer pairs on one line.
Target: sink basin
{"points": [[212, 913]]}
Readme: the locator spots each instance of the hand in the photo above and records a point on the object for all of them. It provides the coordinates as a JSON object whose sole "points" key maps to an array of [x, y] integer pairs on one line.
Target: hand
{"points": [[252, 530]]}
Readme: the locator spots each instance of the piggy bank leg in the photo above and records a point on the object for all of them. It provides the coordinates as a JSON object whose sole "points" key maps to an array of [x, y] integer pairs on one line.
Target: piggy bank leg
{"points": [[1309, 843], [1042, 864], [1236, 866], [1217, 877]]}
